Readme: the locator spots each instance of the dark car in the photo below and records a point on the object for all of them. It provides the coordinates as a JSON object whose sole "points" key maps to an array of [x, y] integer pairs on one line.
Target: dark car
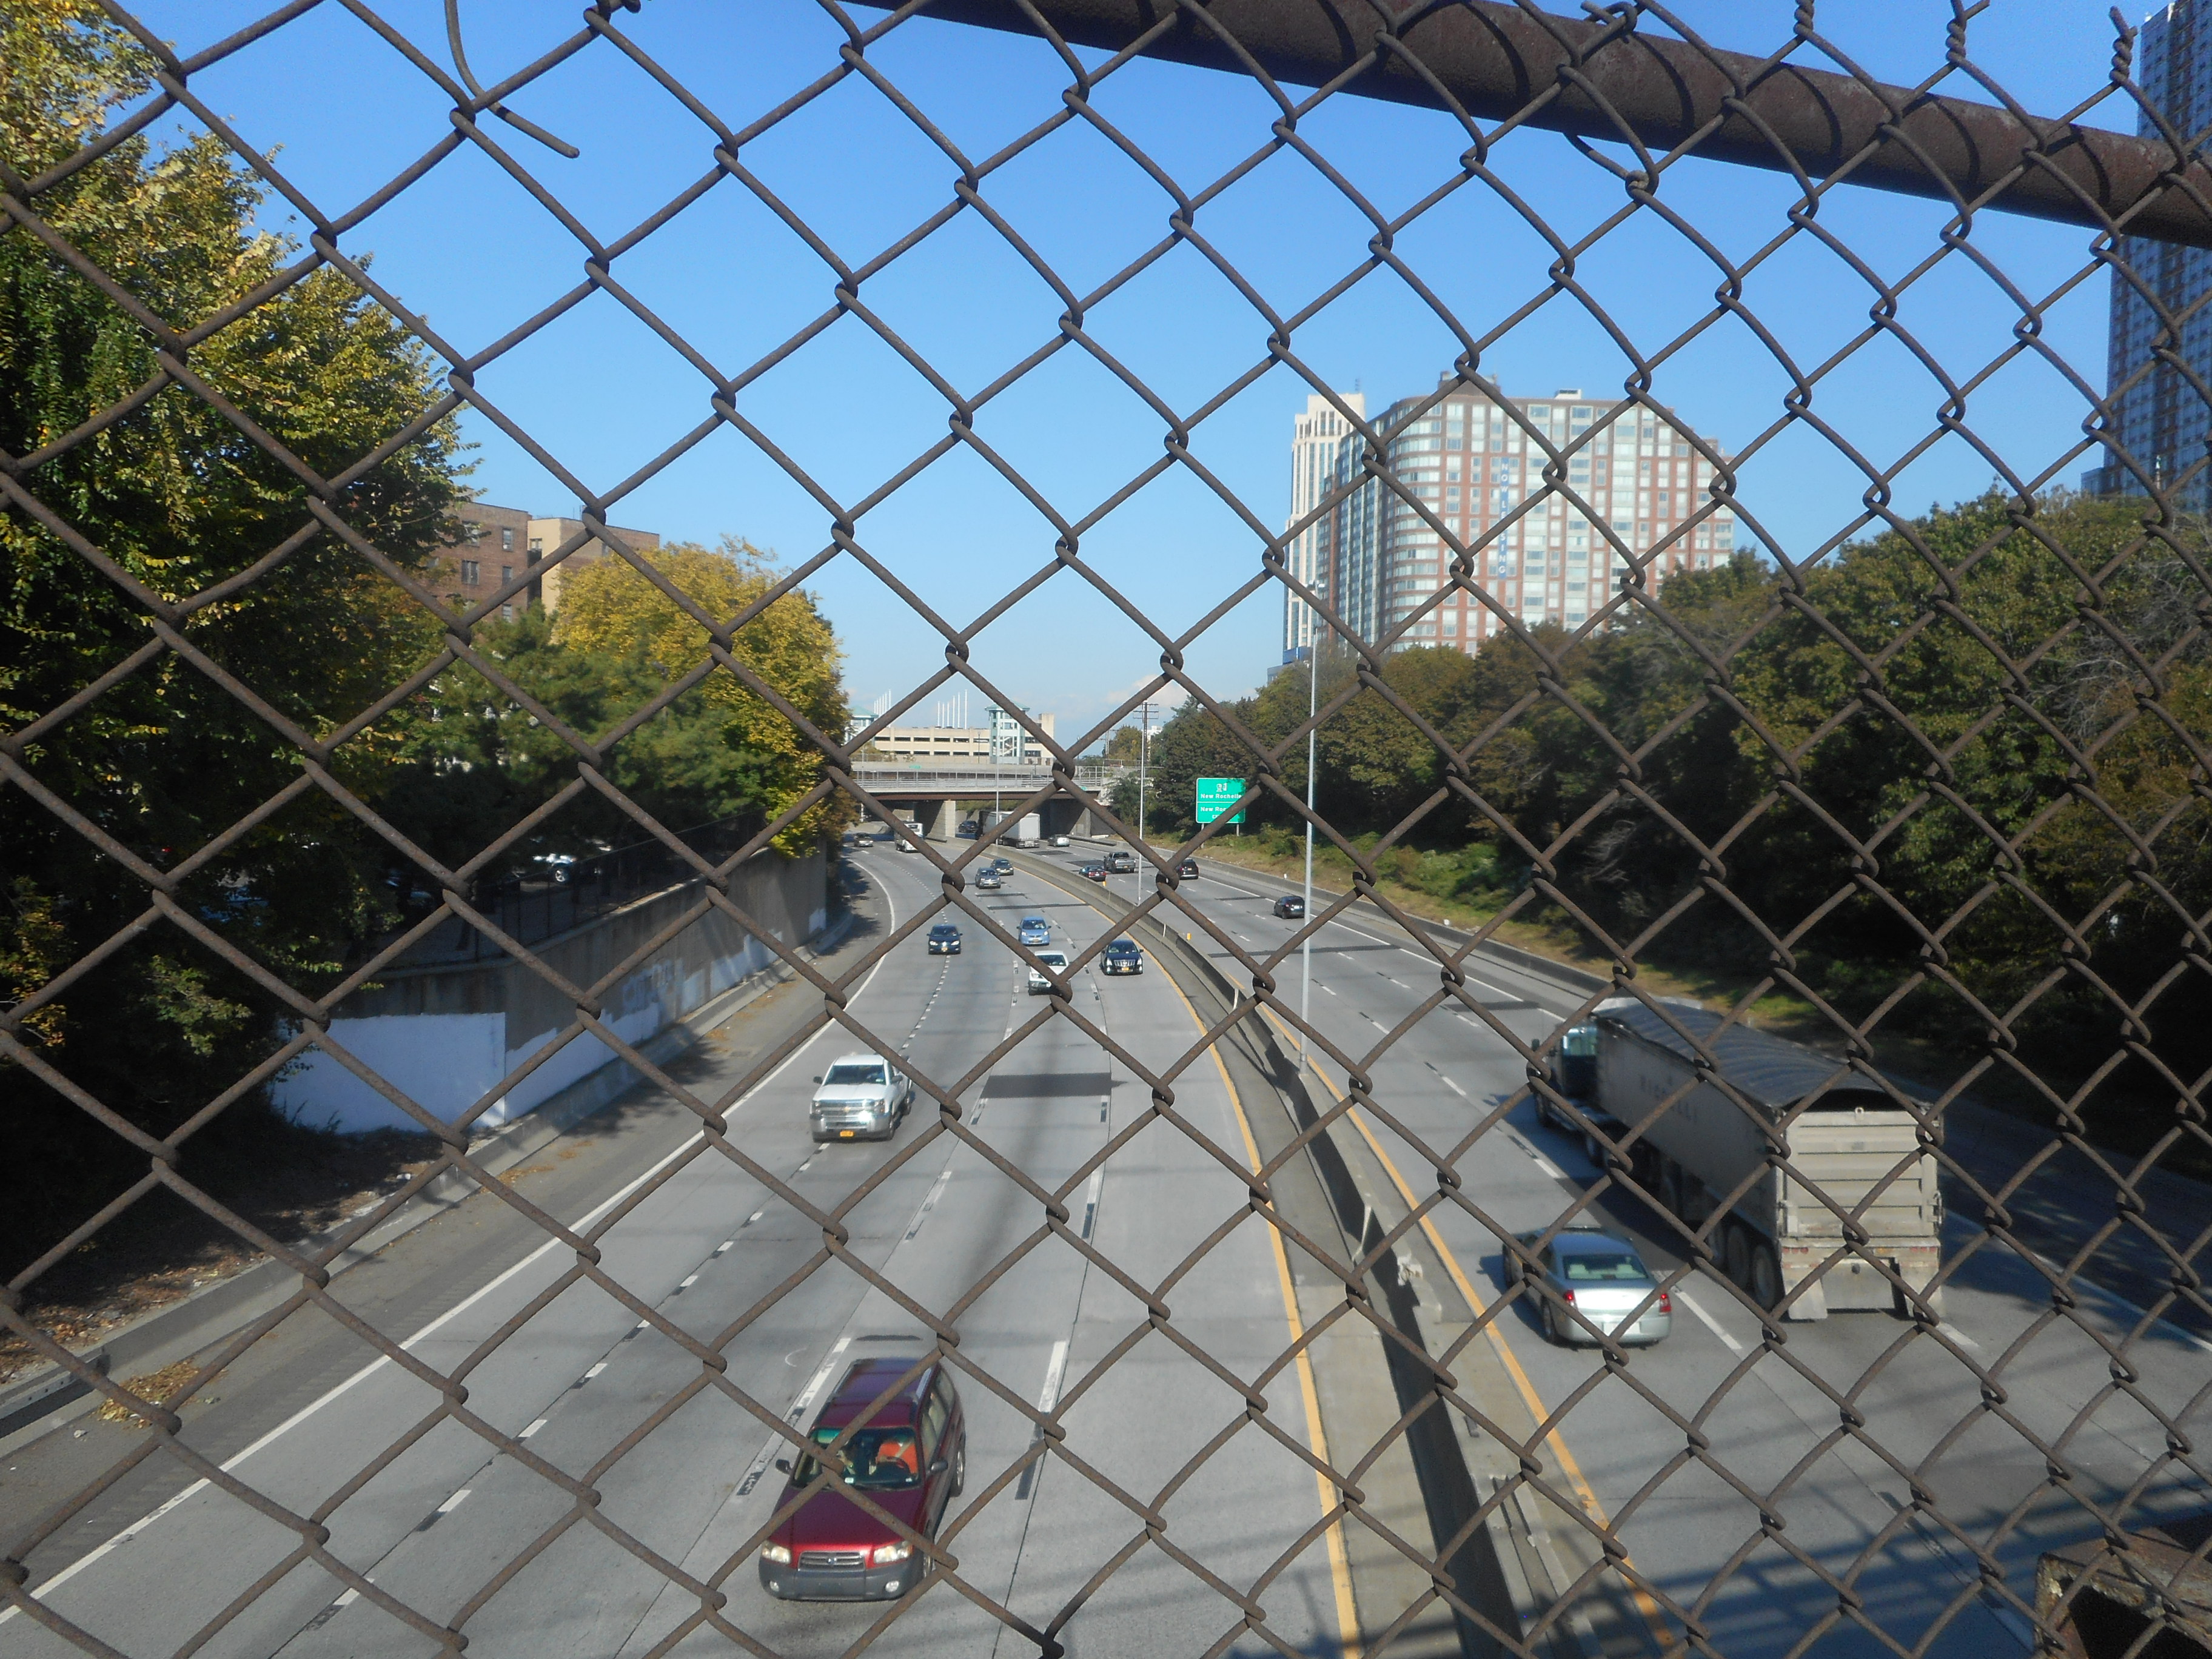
{"points": [[944, 940], [1188, 870], [909, 1455], [1122, 957], [1004, 866], [1093, 871], [1290, 907]]}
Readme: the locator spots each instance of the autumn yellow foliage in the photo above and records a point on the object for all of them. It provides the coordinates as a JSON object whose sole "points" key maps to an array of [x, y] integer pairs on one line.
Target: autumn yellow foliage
{"points": [[609, 607]]}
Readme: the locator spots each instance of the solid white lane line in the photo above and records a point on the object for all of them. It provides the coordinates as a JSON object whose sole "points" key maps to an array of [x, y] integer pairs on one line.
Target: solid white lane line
{"points": [[1707, 1320], [457, 1309]]}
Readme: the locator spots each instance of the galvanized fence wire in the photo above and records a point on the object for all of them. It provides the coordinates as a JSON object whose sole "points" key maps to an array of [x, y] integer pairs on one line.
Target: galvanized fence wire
{"points": [[1597, 86]]}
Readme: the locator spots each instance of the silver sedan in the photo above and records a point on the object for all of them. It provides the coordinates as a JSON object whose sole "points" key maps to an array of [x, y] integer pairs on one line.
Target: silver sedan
{"points": [[1594, 1284]]}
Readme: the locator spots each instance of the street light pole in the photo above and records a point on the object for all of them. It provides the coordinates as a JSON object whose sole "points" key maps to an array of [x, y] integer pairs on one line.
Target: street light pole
{"points": [[1143, 761], [1305, 950]]}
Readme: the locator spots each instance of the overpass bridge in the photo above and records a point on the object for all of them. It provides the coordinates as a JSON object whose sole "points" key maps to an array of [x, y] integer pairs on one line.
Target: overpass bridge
{"points": [[938, 793]]}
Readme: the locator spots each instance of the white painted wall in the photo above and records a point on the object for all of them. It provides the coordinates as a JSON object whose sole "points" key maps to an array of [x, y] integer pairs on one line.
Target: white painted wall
{"points": [[446, 1062]]}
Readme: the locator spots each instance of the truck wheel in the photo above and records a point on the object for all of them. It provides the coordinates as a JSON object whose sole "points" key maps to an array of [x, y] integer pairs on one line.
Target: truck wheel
{"points": [[1766, 1277], [1735, 1255]]}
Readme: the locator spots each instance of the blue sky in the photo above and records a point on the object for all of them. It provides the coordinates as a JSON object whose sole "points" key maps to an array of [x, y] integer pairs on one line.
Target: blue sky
{"points": [[470, 246]]}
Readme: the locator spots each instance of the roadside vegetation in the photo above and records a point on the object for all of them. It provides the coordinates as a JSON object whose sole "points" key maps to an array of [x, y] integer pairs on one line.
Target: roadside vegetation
{"points": [[1871, 795], [200, 873]]}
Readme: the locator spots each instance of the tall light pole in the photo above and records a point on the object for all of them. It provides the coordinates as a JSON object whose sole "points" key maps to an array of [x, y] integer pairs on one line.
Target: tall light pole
{"points": [[1305, 950], [1144, 761]]}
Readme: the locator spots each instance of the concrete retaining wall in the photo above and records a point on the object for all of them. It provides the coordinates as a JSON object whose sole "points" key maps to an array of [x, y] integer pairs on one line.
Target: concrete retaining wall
{"points": [[447, 1035]]}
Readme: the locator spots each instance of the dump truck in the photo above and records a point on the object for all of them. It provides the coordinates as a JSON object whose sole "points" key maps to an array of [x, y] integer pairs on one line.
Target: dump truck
{"points": [[1797, 1153]]}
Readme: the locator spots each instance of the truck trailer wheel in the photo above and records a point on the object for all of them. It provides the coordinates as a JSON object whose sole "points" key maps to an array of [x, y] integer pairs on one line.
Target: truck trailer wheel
{"points": [[1766, 1277], [1735, 1255]]}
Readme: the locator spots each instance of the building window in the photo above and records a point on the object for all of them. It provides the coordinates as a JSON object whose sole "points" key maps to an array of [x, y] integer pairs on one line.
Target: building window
{"points": [[506, 575], [471, 573], [507, 613], [507, 541]]}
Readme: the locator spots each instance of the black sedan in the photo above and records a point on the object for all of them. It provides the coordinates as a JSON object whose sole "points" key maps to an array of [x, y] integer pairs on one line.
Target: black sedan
{"points": [[1290, 907], [1122, 957], [1188, 870], [944, 940]]}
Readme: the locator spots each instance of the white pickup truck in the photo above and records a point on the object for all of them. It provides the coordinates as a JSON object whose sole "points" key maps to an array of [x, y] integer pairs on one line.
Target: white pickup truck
{"points": [[860, 1095], [1795, 1154]]}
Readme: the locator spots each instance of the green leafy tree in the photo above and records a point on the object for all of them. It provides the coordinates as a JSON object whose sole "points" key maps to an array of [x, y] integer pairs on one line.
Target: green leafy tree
{"points": [[180, 505]]}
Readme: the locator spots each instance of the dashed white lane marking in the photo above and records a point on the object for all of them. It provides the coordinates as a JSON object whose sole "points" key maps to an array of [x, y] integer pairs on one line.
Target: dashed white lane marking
{"points": [[1327, 987], [1958, 1335], [726, 1243], [1536, 1156], [929, 1203], [1047, 1397], [1090, 1199], [1449, 1085], [595, 1371], [532, 1430], [347, 1597], [798, 1411], [688, 1283], [1707, 1320]]}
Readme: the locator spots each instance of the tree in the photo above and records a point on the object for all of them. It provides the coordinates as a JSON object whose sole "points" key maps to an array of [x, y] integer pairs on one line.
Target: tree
{"points": [[179, 502], [611, 609]]}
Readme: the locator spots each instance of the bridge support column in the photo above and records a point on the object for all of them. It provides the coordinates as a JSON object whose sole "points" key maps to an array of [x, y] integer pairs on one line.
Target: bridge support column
{"points": [[944, 825]]}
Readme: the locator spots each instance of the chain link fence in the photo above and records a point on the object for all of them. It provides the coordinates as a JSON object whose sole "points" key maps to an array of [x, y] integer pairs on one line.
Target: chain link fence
{"points": [[1990, 741]]}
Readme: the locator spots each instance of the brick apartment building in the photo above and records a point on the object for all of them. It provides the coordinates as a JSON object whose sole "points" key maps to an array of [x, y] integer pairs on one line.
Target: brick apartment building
{"points": [[501, 543]]}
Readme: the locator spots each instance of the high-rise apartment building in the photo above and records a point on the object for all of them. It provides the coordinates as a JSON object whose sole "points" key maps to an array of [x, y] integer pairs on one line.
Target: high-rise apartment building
{"points": [[1544, 555], [2159, 417], [1319, 433]]}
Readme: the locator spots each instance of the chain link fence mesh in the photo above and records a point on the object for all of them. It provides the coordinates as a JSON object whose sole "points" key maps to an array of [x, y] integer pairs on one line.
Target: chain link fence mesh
{"points": [[2112, 689]]}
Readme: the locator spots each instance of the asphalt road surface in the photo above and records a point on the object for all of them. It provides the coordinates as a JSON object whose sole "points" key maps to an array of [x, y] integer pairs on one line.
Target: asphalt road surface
{"points": [[1773, 1421], [602, 1377]]}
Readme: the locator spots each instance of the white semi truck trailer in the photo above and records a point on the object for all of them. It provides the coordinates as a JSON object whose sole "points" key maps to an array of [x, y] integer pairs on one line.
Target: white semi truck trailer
{"points": [[1028, 830], [1796, 1154]]}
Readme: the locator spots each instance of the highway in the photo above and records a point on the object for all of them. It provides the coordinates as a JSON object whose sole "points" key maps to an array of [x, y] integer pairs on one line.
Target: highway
{"points": [[1771, 1419], [609, 1391]]}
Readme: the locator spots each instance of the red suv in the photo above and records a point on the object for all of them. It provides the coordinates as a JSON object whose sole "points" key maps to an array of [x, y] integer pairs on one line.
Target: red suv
{"points": [[909, 1455]]}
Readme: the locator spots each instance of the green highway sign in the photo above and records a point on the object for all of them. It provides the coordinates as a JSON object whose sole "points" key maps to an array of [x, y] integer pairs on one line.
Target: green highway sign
{"points": [[1216, 796]]}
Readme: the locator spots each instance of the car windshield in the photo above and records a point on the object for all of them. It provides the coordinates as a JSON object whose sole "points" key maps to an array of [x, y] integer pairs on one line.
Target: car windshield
{"points": [[1592, 1265], [1123, 947], [943, 930], [1031, 924], [869, 1072], [1052, 958], [875, 1460]]}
